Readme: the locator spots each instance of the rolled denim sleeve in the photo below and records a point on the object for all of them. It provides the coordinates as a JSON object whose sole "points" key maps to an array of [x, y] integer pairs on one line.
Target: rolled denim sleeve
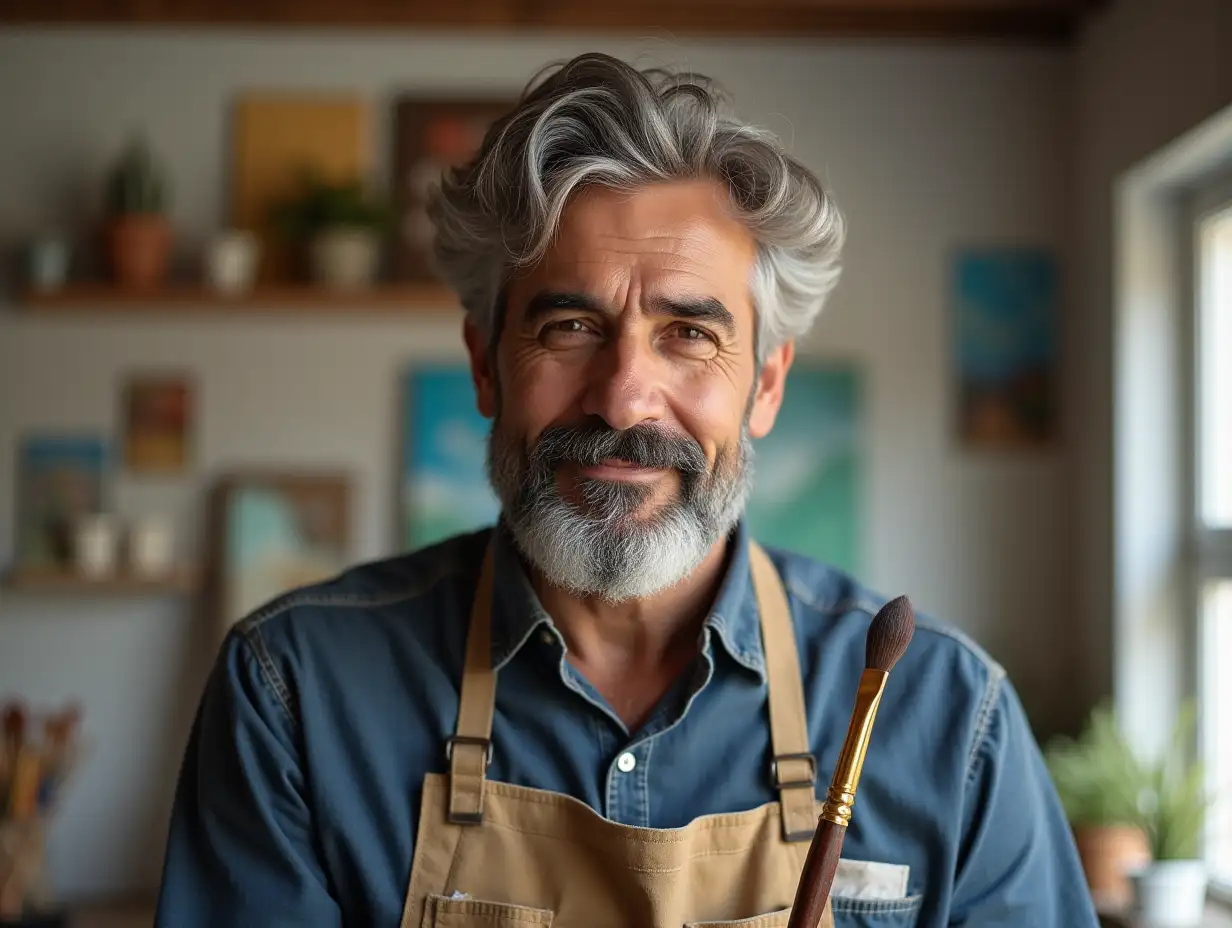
{"points": [[1018, 865], [240, 850]]}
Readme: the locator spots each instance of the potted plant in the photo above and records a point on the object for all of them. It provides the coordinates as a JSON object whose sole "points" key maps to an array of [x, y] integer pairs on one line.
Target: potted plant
{"points": [[1099, 781], [137, 231], [1170, 890], [340, 224]]}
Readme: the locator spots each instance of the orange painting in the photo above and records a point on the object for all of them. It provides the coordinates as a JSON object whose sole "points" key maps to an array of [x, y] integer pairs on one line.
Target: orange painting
{"points": [[158, 424]]}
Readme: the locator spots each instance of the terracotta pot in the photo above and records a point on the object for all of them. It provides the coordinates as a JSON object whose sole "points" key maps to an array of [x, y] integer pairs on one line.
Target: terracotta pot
{"points": [[138, 247], [1109, 854]]}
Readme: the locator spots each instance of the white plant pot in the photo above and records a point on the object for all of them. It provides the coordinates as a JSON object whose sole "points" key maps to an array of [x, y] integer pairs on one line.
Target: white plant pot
{"points": [[344, 259], [1171, 893]]}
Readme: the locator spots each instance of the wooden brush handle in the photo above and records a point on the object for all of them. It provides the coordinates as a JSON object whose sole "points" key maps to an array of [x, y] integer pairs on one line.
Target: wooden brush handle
{"points": [[818, 875]]}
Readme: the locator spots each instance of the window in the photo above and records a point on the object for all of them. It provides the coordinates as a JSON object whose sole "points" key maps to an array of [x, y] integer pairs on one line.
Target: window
{"points": [[1212, 498]]}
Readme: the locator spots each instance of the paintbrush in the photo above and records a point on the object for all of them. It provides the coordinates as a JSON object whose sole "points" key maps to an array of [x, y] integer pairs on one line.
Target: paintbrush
{"points": [[888, 637]]}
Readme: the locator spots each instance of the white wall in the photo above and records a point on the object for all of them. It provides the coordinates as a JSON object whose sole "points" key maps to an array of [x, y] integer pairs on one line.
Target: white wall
{"points": [[926, 147], [1147, 71]]}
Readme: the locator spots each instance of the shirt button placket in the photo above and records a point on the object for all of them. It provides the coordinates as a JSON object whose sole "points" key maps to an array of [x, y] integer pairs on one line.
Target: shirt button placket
{"points": [[626, 788]]}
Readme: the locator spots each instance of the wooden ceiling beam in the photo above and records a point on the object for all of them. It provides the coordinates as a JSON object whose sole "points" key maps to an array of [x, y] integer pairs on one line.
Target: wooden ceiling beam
{"points": [[1041, 20]]}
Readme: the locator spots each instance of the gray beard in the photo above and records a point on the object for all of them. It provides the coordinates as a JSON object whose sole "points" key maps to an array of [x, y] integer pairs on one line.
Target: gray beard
{"points": [[603, 548]]}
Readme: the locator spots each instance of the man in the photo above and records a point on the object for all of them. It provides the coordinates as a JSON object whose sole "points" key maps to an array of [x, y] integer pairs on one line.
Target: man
{"points": [[614, 708]]}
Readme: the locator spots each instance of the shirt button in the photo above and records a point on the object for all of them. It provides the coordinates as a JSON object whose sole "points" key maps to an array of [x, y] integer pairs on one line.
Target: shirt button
{"points": [[545, 636], [626, 762]]}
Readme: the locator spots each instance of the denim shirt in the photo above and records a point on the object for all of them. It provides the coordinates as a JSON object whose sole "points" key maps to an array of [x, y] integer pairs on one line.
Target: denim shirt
{"points": [[298, 800]]}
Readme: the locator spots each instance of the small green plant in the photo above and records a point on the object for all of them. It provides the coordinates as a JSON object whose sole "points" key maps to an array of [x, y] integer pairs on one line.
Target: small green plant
{"points": [[321, 204], [1175, 800], [137, 184], [1098, 778]]}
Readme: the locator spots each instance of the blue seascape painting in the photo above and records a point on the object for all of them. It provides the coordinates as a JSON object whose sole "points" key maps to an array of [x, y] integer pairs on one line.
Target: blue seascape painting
{"points": [[809, 473], [445, 487]]}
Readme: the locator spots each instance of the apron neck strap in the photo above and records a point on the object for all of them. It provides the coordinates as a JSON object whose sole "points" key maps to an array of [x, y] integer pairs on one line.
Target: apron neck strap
{"points": [[469, 751], [793, 769]]}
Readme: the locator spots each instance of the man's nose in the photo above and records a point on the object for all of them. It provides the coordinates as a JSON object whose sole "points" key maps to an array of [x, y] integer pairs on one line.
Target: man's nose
{"points": [[625, 386]]}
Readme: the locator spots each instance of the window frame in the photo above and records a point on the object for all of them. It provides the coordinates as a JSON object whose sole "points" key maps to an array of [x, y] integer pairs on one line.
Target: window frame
{"points": [[1208, 550]]}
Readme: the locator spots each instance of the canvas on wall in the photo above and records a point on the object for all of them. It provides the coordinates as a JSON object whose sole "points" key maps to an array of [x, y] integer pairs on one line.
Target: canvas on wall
{"points": [[1006, 346], [430, 137], [444, 483], [808, 482], [158, 423], [60, 479], [276, 531]]}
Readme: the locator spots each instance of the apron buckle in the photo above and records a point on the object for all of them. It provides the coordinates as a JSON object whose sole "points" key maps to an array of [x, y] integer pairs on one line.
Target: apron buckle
{"points": [[789, 784], [485, 743]]}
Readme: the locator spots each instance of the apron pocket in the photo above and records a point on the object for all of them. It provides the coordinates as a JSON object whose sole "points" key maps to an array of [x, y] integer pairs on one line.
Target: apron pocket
{"points": [[770, 920], [447, 912], [875, 913]]}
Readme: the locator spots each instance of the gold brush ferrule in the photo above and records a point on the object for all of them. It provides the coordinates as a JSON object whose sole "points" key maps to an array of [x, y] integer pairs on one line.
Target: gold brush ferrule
{"points": [[842, 793]]}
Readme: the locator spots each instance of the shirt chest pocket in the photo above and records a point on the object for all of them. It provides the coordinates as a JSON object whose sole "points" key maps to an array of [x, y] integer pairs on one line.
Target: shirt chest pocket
{"points": [[449, 912], [875, 913]]}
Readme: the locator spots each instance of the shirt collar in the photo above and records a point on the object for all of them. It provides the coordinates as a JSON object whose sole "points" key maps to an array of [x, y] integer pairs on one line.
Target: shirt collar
{"points": [[734, 619]]}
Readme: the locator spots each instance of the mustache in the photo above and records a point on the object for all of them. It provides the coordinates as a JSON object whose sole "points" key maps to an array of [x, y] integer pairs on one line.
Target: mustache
{"points": [[644, 445]]}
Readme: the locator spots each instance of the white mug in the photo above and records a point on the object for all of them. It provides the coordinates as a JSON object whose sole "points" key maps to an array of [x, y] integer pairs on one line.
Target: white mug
{"points": [[151, 544], [231, 261], [96, 544]]}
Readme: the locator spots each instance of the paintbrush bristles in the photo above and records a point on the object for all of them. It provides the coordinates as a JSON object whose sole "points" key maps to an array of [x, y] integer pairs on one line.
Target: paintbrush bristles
{"points": [[889, 634]]}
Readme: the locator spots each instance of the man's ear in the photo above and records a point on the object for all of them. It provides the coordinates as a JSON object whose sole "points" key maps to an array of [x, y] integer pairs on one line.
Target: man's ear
{"points": [[768, 391], [482, 368]]}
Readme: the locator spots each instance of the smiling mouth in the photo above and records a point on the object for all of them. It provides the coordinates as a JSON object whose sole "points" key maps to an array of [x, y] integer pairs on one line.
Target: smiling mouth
{"points": [[618, 470]]}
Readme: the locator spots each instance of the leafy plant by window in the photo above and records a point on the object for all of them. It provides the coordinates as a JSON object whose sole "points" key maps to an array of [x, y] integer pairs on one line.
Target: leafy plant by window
{"points": [[1175, 800], [1101, 781], [1097, 776], [322, 204]]}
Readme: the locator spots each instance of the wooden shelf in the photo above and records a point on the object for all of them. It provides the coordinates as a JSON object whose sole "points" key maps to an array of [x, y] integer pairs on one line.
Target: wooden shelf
{"points": [[281, 299], [57, 580]]}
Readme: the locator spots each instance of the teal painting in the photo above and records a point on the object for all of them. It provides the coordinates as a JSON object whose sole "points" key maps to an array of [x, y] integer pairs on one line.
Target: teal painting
{"points": [[808, 482], [445, 489]]}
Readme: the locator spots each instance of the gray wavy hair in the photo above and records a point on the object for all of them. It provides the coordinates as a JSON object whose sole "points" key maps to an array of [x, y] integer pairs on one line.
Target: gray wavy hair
{"points": [[596, 120]]}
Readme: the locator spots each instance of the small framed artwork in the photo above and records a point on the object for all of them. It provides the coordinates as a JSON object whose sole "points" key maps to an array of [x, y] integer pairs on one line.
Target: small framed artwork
{"points": [[1005, 336], [276, 531], [158, 422], [430, 137], [444, 479], [60, 480]]}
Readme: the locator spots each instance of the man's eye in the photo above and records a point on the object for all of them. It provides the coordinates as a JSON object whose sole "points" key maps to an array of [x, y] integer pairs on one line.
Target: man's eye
{"points": [[565, 331], [694, 337]]}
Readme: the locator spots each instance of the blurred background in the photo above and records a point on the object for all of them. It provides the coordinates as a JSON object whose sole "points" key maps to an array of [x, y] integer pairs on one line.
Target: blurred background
{"points": [[226, 365]]}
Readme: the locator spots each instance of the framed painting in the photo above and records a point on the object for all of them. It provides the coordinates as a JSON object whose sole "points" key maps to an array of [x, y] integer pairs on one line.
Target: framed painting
{"points": [[1006, 347], [430, 137], [60, 479], [158, 414], [809, 472], [275, 531], [444, 481]]}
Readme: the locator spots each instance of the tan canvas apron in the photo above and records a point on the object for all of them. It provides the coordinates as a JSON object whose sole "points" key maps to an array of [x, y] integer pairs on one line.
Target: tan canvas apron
{"points": [[497, 855]]}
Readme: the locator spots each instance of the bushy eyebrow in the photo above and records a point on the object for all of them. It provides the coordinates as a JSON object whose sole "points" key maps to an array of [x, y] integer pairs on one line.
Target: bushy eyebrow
{"points": [[695, 309]]}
